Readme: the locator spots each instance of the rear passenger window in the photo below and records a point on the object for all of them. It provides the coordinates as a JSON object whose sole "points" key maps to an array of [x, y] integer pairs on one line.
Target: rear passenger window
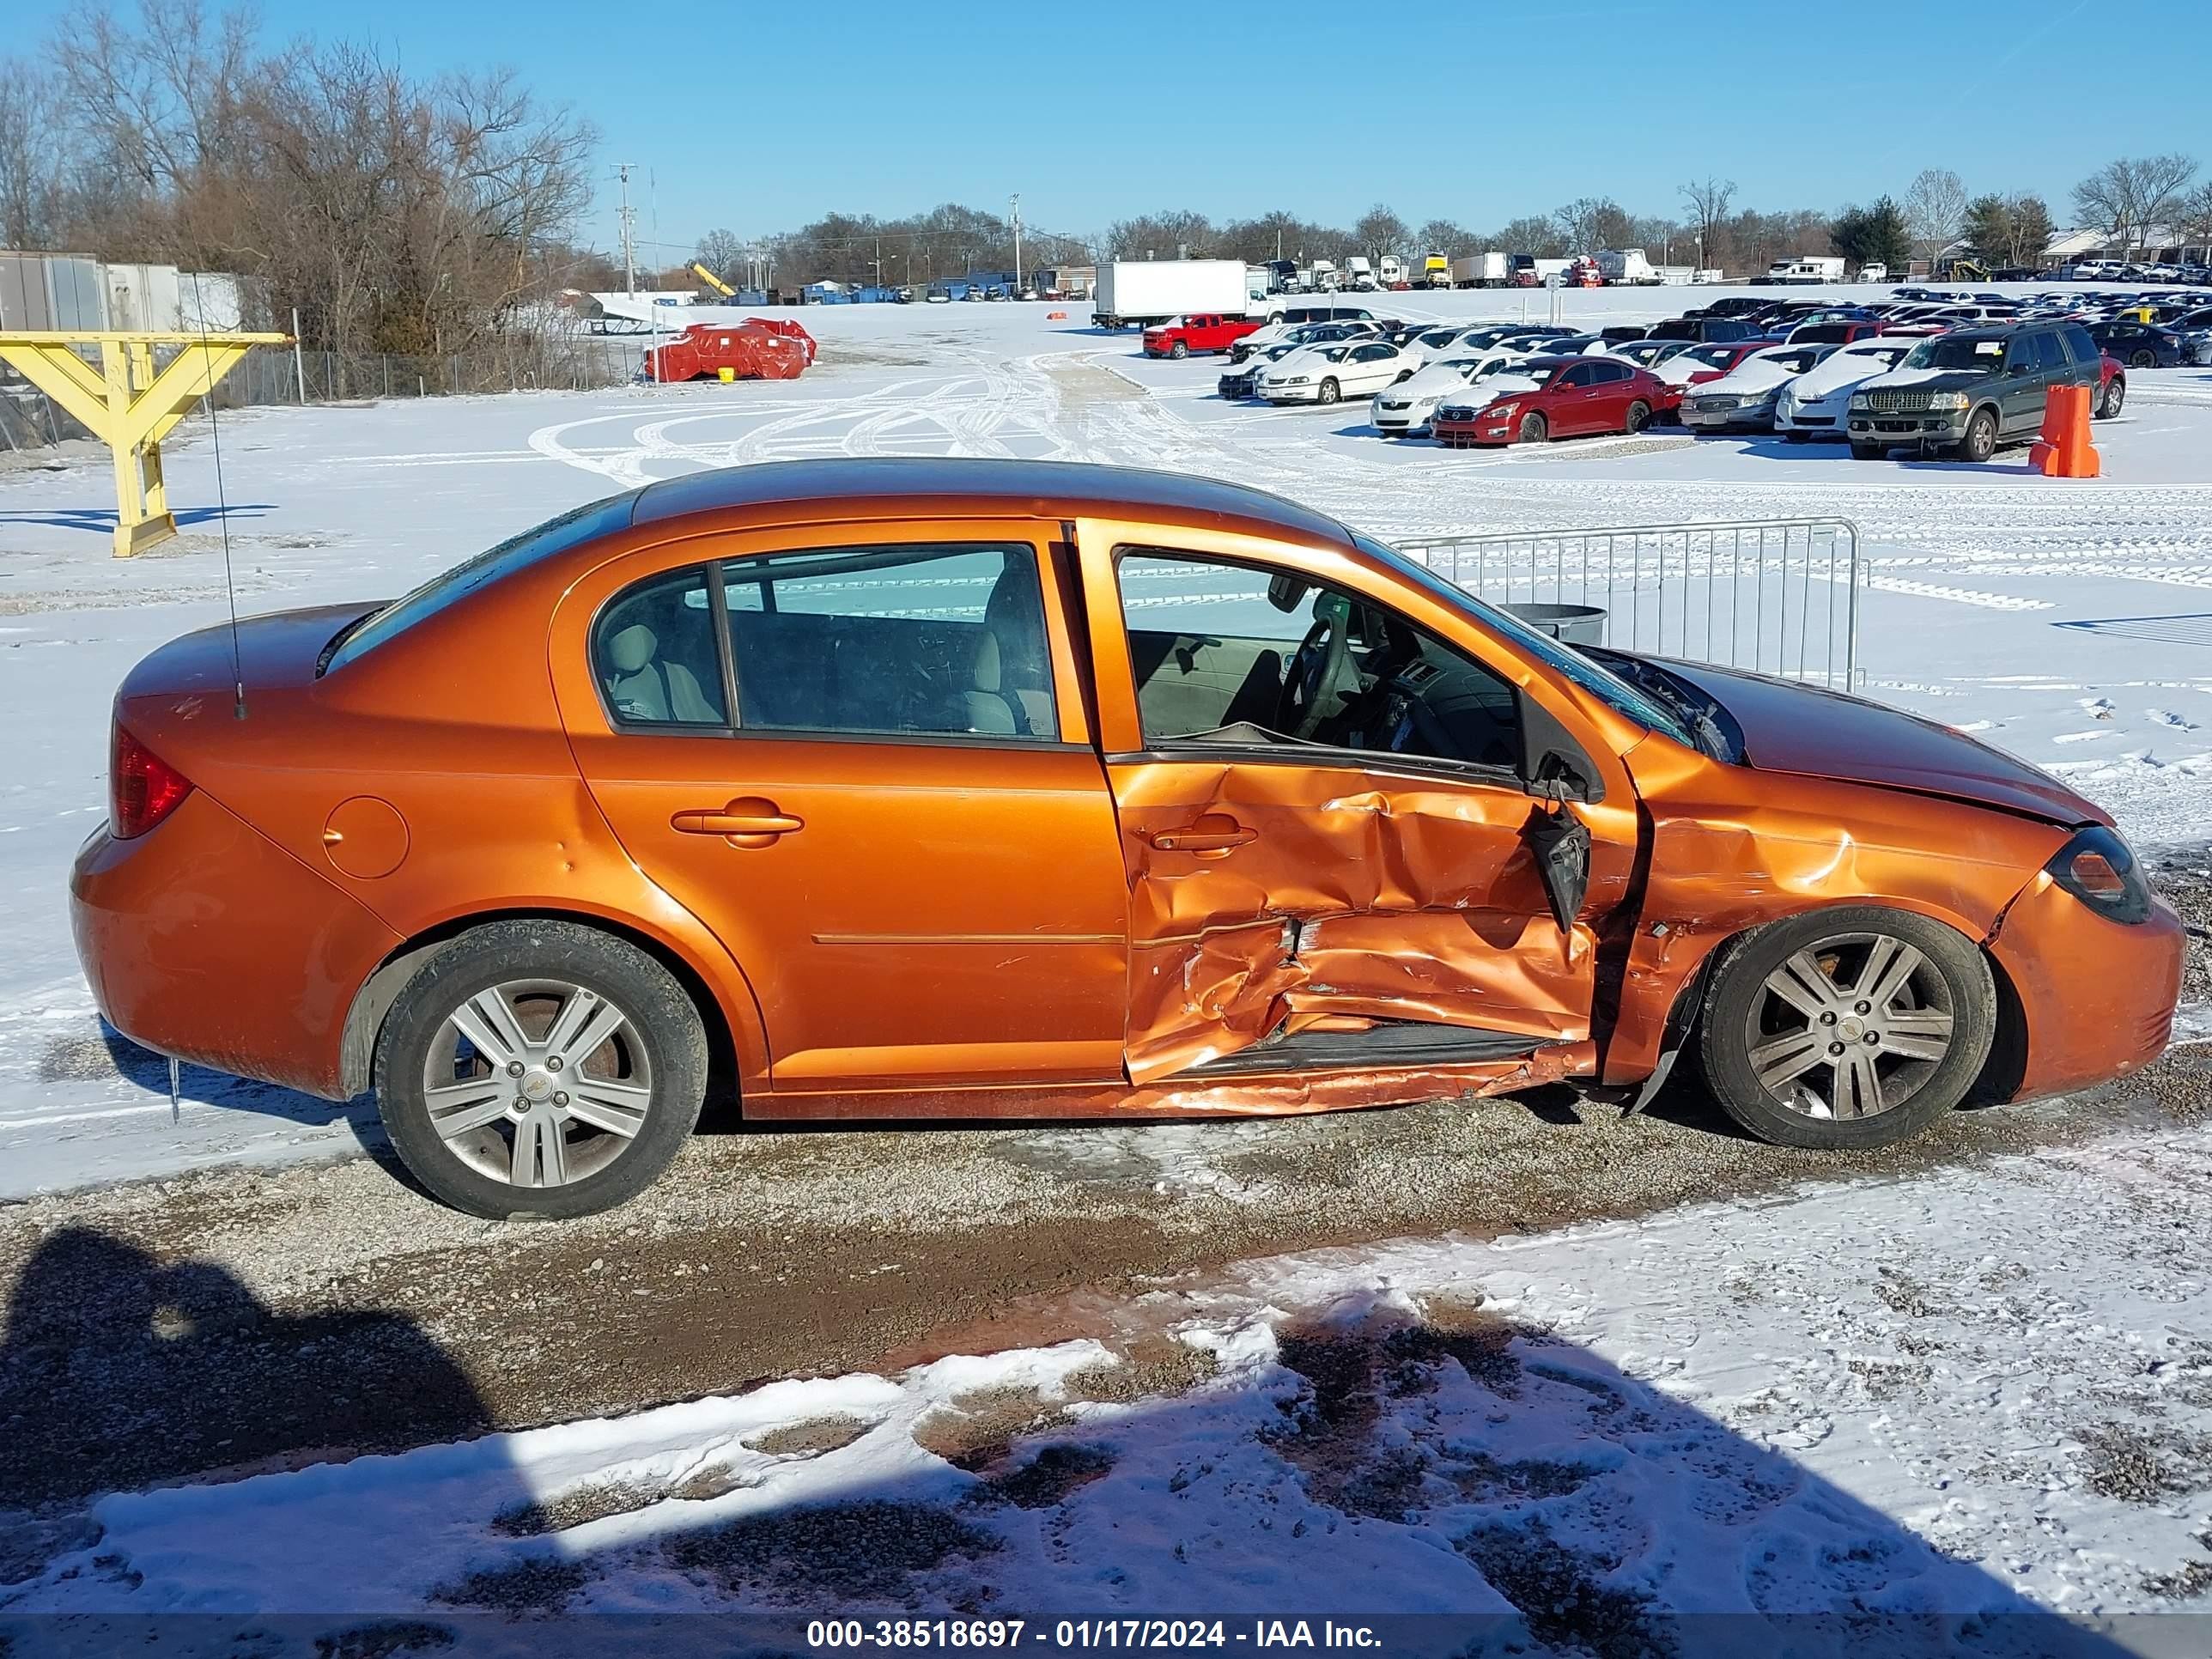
{"points": [[655, 656], [940, 639], [2049, 353], [2084, 347]]}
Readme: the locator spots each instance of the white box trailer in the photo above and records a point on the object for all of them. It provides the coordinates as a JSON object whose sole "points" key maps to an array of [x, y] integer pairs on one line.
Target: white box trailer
{"points": [[1141, 292], [1625, 267], [1812, 269], [1491, 269]]}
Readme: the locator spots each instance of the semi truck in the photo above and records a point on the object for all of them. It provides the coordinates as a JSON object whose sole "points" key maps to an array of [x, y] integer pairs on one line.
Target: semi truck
{"points": [[1481, 270], [1392, 271], [1138, 293]]}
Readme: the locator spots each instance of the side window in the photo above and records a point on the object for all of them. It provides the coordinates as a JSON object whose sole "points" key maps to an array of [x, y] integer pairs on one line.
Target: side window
{"points": [[1612, 373], [1580, 375], [654, 653], [2050, 356], [1236, 655], [932, 638]]}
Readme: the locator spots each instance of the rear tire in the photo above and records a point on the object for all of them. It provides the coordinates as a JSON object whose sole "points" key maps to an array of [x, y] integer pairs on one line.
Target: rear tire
{"points": [[1811, 1039], [2143, 360], [651, 1065], [1536, 429], [1639, 416]]}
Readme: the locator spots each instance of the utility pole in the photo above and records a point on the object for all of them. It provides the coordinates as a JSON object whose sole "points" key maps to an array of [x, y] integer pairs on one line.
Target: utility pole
{"points": [[628, 221], [1014, 205]]}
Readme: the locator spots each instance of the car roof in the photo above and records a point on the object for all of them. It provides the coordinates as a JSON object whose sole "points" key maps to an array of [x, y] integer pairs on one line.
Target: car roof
{"points": [[889, 486]]}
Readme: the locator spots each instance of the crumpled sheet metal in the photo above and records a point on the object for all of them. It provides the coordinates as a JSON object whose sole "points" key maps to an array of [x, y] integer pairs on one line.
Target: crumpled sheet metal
{"points": [[1178, 1098], [1416, 902], [1722, 864]]}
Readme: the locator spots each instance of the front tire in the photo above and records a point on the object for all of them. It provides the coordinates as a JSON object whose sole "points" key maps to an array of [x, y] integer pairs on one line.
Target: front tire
{"points": [[1330, 391], [1178, 350], [540, 1070], [1981, 440], [1848, 1028], [1536, 429], [1868, 452]]}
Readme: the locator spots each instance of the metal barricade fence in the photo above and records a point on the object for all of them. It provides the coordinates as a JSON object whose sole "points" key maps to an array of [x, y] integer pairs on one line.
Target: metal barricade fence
{"points": [[1779, 595]]}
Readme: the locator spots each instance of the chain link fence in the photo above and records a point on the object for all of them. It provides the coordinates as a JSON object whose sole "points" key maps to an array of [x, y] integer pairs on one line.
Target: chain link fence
{"points": [[29, 420]]}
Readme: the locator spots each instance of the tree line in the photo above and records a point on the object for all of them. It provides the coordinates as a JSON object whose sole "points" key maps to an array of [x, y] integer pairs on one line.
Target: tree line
{"points": [[1934, 214], [397, 214]]}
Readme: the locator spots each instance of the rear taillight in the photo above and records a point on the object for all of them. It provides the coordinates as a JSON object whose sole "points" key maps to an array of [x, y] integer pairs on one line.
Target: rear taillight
{"points": [[143, 787]]}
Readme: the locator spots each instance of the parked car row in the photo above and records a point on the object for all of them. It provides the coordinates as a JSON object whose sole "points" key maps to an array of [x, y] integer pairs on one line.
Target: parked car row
{"points": [[1962, 372]]}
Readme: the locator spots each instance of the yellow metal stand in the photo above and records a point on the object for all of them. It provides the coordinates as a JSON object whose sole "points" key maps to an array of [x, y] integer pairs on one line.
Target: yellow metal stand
{"points": [[129, 407]]}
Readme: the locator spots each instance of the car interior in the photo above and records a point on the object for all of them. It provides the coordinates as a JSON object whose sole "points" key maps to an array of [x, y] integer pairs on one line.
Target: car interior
{"points": [[887, 639], [1353, 676]]}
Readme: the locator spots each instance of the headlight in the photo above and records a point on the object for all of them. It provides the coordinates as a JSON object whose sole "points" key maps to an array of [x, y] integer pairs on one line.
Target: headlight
{"points": [[1861, 401], [1294, 380], [1947, 400], [2099, 869], [1499, 412]]}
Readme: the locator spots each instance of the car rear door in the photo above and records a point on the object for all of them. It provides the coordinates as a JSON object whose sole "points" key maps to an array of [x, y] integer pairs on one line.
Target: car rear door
{"points": [[1300, 897], [903, 837]]}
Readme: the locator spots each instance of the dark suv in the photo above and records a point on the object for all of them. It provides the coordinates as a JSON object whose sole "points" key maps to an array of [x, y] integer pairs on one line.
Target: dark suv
{"points": [[1971, 389]]}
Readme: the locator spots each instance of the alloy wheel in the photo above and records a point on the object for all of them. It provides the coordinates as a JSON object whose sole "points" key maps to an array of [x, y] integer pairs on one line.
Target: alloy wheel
{"points": [[537, 1082], [1848, 1027]]}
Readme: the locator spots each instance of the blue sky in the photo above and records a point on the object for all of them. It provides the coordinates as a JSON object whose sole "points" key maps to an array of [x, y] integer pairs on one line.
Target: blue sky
{"points": [[758, 118]]}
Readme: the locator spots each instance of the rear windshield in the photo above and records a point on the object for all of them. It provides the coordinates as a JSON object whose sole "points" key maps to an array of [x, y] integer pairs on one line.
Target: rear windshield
{"points": [[572, 529]]}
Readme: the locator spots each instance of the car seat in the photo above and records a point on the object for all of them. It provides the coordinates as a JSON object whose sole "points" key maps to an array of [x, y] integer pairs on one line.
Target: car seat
{"points": [[642, 687], [1012, 690]]}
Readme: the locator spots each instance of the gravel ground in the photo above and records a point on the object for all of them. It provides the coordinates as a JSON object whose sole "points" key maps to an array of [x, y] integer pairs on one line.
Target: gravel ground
{"points": [[245, 1319]]}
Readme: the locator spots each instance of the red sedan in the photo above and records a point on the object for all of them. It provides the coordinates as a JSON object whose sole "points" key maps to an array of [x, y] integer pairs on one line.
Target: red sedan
{"points": [[1572, 396]]}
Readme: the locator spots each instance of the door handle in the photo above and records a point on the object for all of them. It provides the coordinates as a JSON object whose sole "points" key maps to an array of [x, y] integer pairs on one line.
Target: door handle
{"points": [[1214, 834], [748, 820]]}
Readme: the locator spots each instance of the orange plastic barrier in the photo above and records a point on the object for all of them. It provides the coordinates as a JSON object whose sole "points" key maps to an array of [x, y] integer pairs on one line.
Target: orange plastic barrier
{"points": [[2065, 450], [1055, 316]]}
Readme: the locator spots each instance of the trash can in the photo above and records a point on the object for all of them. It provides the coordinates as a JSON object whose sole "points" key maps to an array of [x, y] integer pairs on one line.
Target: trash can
{"points": [[727, 376], [1571, 624]]}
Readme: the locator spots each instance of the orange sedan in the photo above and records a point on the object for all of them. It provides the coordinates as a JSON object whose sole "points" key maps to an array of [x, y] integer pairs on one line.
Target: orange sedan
{"points": [[962, 789]]}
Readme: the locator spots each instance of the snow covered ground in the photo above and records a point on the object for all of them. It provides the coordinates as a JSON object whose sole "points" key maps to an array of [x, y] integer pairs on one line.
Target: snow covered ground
{"points": [[2070, 622], [1984, 1395], [1985, 1392]]}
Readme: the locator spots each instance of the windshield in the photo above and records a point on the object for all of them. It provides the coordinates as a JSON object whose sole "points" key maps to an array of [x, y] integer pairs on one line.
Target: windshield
{"points": [[571, 529], [1607, 687], [1439, 338], [1717, 356], [1956, 351]]}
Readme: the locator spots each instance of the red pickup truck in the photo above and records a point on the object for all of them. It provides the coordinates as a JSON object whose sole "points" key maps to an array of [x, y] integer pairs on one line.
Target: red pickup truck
{"points": [[1202, 330]]}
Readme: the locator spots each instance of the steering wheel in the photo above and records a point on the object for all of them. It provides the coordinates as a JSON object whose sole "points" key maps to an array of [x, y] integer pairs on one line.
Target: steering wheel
{"points": [[1318, 664]]}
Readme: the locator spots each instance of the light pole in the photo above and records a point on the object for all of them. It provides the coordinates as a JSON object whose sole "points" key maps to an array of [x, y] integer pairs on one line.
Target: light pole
{"points": [[1014, 206]]}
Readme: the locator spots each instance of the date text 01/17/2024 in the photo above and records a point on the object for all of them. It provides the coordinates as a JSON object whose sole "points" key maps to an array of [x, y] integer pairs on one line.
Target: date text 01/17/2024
{"points": [[1086, 1633]]}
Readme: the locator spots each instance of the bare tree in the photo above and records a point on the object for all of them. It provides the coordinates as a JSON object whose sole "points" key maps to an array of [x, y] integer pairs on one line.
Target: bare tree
{"points": [[2126, 197], [1934, 211], [1380, 231], [1708, 202], [2192, 218], [31, 155], [1173, 233], [721, 252]]}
